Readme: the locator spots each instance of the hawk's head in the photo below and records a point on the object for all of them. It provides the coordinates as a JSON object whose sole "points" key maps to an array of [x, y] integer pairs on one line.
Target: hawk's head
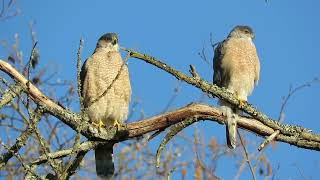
{"points": [[242, 32], [108, 41]]}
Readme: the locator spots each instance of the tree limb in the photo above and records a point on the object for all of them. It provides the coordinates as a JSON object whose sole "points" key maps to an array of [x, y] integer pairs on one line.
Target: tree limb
{"points": [[199, 111]]}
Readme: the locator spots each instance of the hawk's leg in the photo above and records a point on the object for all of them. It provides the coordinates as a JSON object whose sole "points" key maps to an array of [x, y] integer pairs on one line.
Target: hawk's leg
{"points": [[117, 123], [241, 103], [241, 100]]}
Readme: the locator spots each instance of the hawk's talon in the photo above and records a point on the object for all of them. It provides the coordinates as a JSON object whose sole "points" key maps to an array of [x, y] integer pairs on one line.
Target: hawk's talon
{"points": [[99, 125], [241, 103], [117, 124]]}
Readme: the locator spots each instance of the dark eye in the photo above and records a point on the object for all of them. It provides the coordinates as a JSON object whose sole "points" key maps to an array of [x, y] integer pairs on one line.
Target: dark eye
{"points": [[115, 41], [246, 31]]}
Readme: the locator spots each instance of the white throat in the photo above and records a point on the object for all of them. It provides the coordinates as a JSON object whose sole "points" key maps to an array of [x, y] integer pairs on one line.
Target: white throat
{"points": [[236, 34], [108, 47]]}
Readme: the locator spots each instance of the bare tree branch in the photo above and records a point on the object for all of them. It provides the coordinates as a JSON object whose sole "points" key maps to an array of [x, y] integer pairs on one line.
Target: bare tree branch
{"points": [[10, 94], [84, 148], [246, 155], [78, 74], [21, 140], [291, 92]]}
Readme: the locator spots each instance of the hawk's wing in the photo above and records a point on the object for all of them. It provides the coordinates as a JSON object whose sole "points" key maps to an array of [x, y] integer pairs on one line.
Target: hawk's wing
{"points": [[219, 78], [83, 73], [217, 60], [257, 71]]}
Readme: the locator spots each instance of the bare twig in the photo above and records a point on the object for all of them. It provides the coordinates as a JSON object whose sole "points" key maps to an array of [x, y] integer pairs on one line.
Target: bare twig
{"points": [[29, 72], [10, 94], [203, 56], [175, 129], [291, 92], [246, 155], [84, 148], [268, 140], [21, 140], [193, 72], [6, 11], [78, 74], [26, 167], [44, 145], [212, 43], [71, 169], [171, 100]]}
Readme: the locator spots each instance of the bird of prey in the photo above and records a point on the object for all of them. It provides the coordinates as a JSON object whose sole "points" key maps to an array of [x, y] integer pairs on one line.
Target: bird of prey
{"points": [[106, 93], [237, 68]]}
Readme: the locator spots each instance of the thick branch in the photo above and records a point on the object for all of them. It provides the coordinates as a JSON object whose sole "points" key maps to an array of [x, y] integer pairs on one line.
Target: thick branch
{"points": [[199, 111]]}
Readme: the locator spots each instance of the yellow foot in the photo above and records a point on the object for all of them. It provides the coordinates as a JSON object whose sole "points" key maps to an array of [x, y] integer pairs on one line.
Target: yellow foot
{"points": [[117, 124], [99, 124], [241, 102]]}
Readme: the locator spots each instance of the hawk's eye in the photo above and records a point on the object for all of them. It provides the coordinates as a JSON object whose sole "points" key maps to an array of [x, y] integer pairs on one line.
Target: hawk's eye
{"points": [[115, 41]]}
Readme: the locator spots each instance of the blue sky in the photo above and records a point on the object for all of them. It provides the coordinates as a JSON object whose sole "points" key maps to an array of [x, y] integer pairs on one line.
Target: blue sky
{"points": [[287, 36]]}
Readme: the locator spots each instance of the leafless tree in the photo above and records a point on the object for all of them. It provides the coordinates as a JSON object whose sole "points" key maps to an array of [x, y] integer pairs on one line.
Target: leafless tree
{"points": [[46, 139]]}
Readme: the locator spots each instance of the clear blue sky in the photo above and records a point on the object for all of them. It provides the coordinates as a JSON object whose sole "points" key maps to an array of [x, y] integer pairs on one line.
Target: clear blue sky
{"points": [[287, 36]]}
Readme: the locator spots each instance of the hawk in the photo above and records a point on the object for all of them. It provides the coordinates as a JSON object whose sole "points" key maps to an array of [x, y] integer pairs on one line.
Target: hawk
{"points": [[106, 93], [237, 68]]}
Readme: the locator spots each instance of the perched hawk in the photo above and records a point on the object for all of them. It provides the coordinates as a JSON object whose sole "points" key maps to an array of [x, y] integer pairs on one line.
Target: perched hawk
{"points": [[100, 74], [237, 68]]}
